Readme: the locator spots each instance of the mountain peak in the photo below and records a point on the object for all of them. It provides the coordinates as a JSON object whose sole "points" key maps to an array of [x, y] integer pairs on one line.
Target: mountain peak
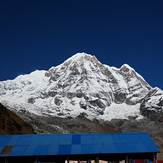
{"points": [[81, 58], [126, 68]]}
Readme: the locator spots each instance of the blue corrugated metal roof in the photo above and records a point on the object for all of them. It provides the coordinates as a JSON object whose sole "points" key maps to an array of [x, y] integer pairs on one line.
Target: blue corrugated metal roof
{"points": [[72, 144]]}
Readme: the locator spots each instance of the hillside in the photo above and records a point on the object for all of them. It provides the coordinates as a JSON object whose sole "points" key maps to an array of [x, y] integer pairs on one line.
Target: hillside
{"points": [[11, 124]]}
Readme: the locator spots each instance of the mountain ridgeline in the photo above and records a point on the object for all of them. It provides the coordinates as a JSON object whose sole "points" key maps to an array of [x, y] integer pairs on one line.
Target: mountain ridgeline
{"points": [[82, 85]]}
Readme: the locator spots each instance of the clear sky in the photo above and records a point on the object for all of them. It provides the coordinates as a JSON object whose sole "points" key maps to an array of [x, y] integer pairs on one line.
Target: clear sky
{"points": [[39, 34]]}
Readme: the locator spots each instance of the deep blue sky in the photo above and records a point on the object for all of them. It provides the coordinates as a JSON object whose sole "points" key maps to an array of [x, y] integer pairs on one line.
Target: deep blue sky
{"points": [[39, 34]]}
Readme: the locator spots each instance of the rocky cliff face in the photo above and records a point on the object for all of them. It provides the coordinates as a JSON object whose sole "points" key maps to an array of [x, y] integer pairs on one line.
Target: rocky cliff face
{"points": [[152, 105]]}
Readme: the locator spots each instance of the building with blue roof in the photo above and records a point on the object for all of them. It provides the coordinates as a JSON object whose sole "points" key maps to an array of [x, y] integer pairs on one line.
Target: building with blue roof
{"points": [[61, 147]]}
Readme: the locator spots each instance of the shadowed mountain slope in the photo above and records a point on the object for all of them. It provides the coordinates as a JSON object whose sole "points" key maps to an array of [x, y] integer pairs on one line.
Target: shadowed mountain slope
{"points": [[11, 124]]}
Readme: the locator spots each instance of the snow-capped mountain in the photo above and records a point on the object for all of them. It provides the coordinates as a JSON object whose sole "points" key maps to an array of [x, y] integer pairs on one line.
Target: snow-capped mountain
{"points": [[81, 86]]}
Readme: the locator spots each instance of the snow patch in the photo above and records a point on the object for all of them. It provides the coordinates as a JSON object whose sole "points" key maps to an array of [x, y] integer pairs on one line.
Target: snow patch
{"points": [[121, 111]]}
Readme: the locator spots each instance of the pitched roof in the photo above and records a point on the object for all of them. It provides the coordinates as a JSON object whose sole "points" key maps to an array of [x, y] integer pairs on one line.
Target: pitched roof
{"points": [[75, 144]]}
